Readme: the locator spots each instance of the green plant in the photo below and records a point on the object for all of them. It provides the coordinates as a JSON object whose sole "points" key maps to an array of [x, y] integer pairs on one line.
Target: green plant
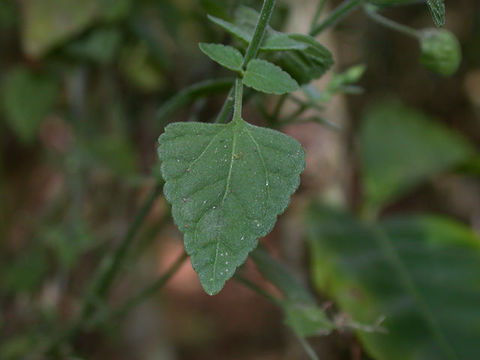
{"points": [[227, 180]]}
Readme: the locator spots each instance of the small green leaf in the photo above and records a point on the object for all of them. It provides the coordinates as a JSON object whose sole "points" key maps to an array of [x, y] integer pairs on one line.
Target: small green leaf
{"points": [[264, 76], [226, 56], [231, 28], [282, 42], [440, 51], [227, 184], [27, 98], [402, 147], [437, 8]]}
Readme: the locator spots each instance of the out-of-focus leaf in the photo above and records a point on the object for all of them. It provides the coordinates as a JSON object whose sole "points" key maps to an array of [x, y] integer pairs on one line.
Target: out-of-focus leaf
{"points": [[18, 347], [307, 320], [8, 14], [437, 8], [216, 8], [47, 23], [190, 94], [440, 51], [100, 46], [113, 152], [27, 97], [139, 69], [301, 312], [115, 10], [226, 56], [264, 76], [25, 272], [308, 64], [281, 276], [402, 147], [338, 83], [68, 241], [420, 272], [227, 184]]}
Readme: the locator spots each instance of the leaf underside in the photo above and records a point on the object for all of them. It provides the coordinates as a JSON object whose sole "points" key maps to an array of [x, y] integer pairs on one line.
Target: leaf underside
{"points": [[227, 184]]}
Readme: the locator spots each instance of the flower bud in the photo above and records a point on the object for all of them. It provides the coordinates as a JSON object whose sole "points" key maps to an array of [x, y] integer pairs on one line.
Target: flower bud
{"points": [[440, 51]]}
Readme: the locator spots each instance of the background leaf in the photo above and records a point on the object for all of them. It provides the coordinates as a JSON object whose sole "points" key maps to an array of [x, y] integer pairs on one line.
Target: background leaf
{"points": [[226, 56], [27, 97], [299, 306], [402, 147], [308, 64], [226, 184], [264, 76], [421, 272]]}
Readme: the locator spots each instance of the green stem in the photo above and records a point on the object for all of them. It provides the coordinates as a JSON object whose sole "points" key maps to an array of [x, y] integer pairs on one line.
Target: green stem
{"points": [[278, 108], [340, 12], [237, 107], [318, 13], [226, 110], [252, 50], [112, 265], [374, 15], [260, 28]]}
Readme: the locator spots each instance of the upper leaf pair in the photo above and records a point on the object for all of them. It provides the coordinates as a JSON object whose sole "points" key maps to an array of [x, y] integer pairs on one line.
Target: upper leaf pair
{"points": [[259, 74]]}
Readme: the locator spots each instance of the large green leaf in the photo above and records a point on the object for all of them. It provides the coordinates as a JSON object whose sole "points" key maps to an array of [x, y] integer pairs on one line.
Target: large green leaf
{"points": [[226, 184], [421, 272], [264, 76], [27, 97], [437, 8], [402, 147], [226, 56]]}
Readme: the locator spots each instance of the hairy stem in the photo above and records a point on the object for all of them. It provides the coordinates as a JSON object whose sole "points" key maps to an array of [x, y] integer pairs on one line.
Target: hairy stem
{"points": [[340, 12], [260, 29], [237, 108]]}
